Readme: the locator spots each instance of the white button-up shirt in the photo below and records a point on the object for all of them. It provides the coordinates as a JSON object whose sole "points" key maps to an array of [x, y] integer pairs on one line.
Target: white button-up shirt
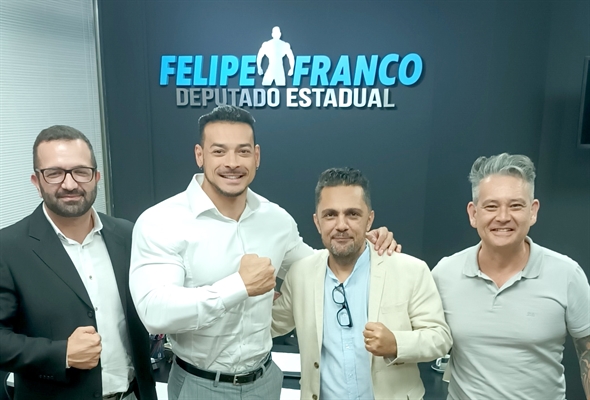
{"points": [[184, 276], [93, 263]]}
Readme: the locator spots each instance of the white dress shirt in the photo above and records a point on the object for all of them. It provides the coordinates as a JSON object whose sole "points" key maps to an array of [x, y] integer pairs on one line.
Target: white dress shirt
{"points": [[184, 276], [92, 260]]}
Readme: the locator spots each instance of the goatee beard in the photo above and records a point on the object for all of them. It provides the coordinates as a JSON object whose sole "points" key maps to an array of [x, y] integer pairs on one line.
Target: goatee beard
{"points": [[223, 192], [70, 210]]}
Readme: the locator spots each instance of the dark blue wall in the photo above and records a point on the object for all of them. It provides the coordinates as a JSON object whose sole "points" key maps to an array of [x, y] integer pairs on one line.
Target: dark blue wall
{"points": [[498, 76]]}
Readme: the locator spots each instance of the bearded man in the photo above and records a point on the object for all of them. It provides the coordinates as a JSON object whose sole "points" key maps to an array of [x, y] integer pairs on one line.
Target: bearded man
{"points": [[68, 327]]}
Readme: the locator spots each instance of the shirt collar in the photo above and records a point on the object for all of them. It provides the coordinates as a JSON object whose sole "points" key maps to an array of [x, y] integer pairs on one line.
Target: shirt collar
{"points": [[199, 201], [363, 261], [532, 268], [95, 229]]}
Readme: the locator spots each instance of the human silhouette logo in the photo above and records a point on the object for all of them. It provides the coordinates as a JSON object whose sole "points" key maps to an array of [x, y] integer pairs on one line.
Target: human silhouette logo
{"points": [[275, 50]]}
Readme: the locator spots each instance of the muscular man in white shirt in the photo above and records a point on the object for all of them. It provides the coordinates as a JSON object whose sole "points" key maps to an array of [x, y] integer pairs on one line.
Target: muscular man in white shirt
{"points": [[203, 267]]}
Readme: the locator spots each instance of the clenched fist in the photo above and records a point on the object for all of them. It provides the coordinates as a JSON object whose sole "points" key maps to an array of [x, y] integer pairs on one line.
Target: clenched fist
{"points": [[83, 348], [257, 273], [379, 340]]}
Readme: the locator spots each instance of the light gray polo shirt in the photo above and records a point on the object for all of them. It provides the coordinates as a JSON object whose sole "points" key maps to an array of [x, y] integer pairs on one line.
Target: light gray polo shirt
{"points": [[508, 342]]}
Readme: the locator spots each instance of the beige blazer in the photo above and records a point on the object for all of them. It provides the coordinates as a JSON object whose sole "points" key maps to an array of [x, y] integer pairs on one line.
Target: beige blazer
{"points": [[402, 296]]}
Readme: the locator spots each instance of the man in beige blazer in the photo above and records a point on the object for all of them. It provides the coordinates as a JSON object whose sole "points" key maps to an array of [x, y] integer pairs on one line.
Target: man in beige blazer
{"points": [[363, 320]]}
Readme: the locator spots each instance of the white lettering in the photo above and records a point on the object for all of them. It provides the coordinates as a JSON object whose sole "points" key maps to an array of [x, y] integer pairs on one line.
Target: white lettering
{"points": [[344, 98], [330, 99], [317, 96], [363, 100], [207, 95], [305, 99], [195, 94], [245, 98], [259, 97], [374, 98], [181, 97], [274, 97], [291, 97], [386, 103]]}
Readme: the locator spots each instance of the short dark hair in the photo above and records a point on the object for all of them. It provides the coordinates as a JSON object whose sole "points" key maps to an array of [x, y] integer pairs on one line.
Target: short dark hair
{"points": [[61, 132], [343, 177], [226, 113]]}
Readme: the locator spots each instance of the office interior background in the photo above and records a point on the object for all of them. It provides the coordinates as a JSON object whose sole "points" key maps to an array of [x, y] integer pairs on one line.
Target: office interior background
{"points": [[497, 76]]}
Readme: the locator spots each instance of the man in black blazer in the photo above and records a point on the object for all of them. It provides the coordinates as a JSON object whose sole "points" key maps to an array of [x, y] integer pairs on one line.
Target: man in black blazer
{"points": [[68, 326]]}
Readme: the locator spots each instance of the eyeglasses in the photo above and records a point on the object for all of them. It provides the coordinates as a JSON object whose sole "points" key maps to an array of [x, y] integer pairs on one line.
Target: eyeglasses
{"points": [[343, 315], [58, 175]]}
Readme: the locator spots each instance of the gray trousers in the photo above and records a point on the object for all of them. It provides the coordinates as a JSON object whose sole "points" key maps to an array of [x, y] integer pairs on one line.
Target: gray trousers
{"points": [[184, 386]]}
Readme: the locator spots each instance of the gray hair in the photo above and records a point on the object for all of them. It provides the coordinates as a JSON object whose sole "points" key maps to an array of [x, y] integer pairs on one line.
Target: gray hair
{"points": [[516, 165]]}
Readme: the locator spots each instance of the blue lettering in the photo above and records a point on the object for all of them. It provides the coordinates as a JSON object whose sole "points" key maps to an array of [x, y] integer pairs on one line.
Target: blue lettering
{"points": [[198, 79], [300, 69], [189, 70], [248, 68], [319, 69], [166, 69], [341, 72], [184, 71], [403, 69], [364, 71], [229, 67], [383, 77], [213, 70]]}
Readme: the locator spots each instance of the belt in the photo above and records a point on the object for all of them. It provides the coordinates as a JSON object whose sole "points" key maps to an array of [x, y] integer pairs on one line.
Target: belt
{"points": [[237, 379], [121, 395], [116, 396]]}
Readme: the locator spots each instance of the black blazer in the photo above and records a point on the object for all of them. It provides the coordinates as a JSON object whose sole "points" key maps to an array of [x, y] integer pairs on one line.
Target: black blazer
{"points": [[43, 300]]}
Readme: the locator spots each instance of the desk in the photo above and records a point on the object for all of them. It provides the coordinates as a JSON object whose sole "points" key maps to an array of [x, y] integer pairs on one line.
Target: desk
{"points": [[436, 389]]}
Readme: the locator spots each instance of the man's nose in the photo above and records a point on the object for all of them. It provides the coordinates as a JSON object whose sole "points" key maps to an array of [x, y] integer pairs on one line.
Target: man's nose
{"points": [[69, 183], [341, 223], [231, 160], [503, 214]]}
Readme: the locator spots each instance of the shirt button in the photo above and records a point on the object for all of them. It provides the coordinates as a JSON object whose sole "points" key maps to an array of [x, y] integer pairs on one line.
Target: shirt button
{"points": [[314, 397], [316, 365], [90, 277], [95, 308]]}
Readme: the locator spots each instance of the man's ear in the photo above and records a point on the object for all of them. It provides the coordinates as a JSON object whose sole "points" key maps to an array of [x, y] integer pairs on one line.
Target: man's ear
{"points": [[199, 155], [316, 221], [534, 210], [471, 211], [370, 221], [35, 181]]}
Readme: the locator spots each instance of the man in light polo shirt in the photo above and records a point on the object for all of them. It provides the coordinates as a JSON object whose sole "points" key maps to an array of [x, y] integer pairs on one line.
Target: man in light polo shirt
{"points": [[508, 301]]}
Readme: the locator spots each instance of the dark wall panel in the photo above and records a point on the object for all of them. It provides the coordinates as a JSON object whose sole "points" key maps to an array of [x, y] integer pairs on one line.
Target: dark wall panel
{"points": [[498, 76], [127, 105]]}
